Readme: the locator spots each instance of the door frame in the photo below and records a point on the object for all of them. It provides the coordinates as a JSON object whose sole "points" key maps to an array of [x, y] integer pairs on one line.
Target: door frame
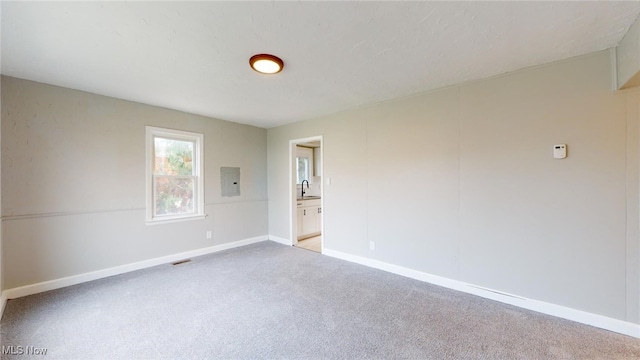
{"points": [[293, 196]]}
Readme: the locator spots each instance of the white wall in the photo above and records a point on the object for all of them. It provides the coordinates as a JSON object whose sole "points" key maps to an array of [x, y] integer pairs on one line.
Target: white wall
{"points": [[73, 185], [461, 183]]}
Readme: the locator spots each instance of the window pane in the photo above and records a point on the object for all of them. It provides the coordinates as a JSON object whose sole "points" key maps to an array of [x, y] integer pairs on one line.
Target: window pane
{"points": [[173, 196], [173, 157], [303, 169]]}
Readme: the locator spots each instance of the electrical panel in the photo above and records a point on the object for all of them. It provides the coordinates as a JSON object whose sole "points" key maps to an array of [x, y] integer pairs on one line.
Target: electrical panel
{"points": [[230, 181]]}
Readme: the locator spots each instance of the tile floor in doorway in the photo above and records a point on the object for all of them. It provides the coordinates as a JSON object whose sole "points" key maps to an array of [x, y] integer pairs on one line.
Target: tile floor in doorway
{"points": [[313, 244]]}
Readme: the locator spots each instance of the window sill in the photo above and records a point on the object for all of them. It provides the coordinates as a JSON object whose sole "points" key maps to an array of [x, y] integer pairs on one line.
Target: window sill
{"points": [[168, 220]]}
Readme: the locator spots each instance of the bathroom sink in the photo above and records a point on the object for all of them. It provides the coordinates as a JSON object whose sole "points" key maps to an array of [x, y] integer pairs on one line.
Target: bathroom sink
{"points": [[309, 198]]}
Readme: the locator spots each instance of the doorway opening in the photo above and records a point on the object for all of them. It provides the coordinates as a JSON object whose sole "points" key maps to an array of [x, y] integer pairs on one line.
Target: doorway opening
{"points": [[306, 218]]}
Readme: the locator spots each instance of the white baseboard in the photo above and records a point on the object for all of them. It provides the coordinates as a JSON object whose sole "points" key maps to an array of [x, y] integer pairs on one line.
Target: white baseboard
{"points": [[280, 240], [580, 316], [99, 274]]}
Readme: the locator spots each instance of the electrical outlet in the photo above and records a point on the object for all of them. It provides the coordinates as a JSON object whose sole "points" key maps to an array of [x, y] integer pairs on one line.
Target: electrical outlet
{"points": [[209, 234], [372, 245]]}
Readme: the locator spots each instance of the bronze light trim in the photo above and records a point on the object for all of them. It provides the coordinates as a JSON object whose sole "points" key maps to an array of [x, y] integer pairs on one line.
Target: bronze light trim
{"points": [[266, 63]]}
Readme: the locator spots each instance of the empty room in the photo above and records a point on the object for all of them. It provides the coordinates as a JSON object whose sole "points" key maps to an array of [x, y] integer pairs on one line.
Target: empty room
{"points": [[320, 180]]}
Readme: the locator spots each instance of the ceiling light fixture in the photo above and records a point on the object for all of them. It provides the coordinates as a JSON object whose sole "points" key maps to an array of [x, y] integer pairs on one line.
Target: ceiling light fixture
{"points": [[266, 64]]}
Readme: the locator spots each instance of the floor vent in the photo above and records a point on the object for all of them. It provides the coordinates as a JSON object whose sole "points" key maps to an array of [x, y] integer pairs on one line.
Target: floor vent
{"points": [[181, 262], [497, 292]]}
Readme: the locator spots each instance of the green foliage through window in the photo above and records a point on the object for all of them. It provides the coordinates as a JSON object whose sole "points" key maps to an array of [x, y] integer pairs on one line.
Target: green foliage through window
{"points": [[173, 157], [174, 178]]}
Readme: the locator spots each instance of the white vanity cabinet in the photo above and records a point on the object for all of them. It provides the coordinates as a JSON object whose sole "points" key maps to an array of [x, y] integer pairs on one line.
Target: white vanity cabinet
{"points": [[309, 218]]}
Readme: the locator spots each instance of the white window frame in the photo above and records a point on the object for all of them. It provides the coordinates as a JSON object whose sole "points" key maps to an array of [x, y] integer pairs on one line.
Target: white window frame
{"points": [[198, 167]]}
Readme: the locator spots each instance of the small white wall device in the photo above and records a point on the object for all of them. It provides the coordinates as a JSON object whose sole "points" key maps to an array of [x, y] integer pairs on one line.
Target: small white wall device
{"points": [[560, 151]]}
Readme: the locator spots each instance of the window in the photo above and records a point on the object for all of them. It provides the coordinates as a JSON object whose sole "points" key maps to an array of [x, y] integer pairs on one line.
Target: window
{"points": [[304, 161], [303, 169], [175, 189]]}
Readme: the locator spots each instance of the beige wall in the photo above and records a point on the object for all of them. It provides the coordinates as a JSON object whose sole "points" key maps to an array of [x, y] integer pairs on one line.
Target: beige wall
{"points": [[461, 183], [73, 186]]}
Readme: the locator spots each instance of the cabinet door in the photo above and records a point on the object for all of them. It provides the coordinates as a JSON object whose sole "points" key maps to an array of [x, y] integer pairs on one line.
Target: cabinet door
{"points": [[309, 222]]}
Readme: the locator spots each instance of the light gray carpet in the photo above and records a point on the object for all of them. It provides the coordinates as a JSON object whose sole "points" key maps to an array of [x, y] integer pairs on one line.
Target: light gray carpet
{"points": [[269, 301]]}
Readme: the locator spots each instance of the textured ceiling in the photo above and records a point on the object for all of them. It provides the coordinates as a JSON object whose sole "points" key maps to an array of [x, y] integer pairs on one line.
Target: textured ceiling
{"points": [[338, 55]]}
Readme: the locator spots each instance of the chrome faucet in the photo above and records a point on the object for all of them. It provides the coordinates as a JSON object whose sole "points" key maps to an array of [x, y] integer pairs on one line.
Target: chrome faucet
{"points": [[302, 187]]}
